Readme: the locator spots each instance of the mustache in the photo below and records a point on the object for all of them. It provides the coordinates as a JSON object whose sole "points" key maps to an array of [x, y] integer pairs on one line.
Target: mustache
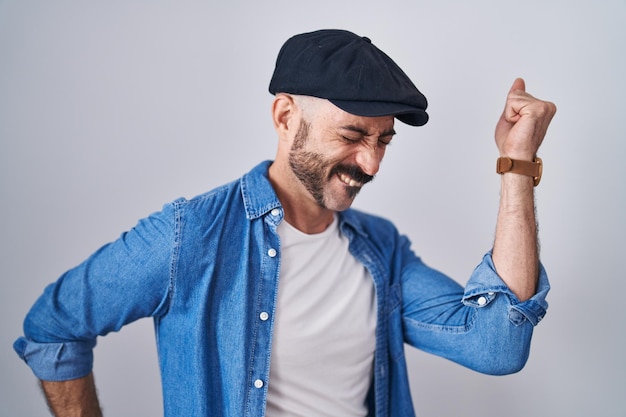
{"points": [[352, 171]]}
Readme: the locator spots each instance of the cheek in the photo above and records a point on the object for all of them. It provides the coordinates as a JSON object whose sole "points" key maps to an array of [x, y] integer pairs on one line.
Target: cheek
{"points": [[338, 156]]}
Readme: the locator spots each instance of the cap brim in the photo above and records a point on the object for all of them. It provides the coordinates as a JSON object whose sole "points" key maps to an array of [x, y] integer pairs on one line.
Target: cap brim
{"points": [[407, 114]]}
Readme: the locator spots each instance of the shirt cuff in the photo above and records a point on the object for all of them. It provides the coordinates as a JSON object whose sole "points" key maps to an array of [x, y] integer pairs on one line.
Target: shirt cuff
{"points": [[485, 284], [56, 361]]}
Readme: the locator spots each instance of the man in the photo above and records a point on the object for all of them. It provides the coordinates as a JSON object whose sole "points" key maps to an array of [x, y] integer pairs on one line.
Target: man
{"points": [[271, 296]]}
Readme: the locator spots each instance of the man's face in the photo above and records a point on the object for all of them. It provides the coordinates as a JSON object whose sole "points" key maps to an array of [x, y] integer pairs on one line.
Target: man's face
{"points": [[336, 154]]}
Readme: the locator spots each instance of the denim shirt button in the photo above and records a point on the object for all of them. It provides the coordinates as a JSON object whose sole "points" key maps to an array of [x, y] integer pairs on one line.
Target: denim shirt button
{"points": [[272, 252], [264, 316], [275, 212], [482, 301], [258, 383]]}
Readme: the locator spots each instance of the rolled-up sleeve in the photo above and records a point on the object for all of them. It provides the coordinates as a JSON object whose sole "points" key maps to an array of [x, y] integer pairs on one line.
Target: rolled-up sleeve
{"points": [[485, 283], [482, 326], [123, 281], [56, 361]]}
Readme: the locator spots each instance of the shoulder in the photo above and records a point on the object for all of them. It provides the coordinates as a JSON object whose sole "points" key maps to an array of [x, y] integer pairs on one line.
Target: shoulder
{"points": [[217, 194], [369, 220], [249, 197], [374, 228]]}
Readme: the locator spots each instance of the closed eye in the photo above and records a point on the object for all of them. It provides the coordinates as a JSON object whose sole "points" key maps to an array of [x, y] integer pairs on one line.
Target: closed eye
{"points": [[351, 139]]}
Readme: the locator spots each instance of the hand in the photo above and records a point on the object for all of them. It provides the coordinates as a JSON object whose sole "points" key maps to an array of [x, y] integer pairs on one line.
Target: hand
{"points": [[523, 123]]}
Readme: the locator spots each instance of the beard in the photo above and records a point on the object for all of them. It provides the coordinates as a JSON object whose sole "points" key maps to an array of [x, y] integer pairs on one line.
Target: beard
{"points": [[314, 170]]}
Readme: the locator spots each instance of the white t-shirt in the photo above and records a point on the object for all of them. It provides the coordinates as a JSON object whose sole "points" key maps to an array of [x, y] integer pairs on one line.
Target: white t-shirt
{"points": [[324, 329]]}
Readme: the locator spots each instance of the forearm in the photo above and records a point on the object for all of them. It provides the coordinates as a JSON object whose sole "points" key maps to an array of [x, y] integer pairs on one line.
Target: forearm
{"points": [[73, 398], [518, 135], [515, 252]]}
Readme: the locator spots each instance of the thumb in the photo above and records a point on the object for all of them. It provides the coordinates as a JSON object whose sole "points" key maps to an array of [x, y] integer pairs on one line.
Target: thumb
{"points": [[510, 113], [518, 84]]}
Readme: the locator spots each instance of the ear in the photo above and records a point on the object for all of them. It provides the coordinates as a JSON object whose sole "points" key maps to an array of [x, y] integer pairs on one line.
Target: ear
{"points": [[284, 115]]}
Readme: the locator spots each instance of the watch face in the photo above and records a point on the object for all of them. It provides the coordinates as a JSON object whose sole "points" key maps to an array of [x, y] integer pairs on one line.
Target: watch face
{"points": [[539, 165]]}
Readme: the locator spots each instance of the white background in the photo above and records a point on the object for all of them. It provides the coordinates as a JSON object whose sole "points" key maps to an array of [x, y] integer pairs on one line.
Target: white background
{"points": [[110, 109]]}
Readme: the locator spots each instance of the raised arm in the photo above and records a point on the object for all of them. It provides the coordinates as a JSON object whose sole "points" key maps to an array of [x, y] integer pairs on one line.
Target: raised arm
{"points": [[519, 134], [73, 398]]}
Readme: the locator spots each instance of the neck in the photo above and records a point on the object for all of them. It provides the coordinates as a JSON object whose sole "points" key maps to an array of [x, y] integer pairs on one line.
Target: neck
{"points": [[301, 210]]}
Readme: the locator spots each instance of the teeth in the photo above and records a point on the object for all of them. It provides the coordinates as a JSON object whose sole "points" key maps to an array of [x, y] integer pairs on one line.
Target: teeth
{"points": [[349, 181]]}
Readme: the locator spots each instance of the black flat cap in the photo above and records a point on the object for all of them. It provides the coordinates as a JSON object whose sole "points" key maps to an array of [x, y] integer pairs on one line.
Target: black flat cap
{"points": [[351, 73]]}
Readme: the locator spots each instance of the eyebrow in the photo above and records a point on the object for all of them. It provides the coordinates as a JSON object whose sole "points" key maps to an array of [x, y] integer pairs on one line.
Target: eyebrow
{"points": [[364, 132]]}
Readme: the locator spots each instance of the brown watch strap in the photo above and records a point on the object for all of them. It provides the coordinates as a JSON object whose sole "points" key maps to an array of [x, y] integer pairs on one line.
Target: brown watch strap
{"points": [[529, 168]]}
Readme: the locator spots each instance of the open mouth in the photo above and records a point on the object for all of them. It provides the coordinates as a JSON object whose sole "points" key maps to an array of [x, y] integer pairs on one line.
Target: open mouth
{"points": [[349, 181]]}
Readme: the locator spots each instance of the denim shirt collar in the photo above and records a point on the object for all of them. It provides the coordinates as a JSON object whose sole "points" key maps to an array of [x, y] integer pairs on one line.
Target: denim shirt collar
{"points": [[257, 192], [259, 198]]}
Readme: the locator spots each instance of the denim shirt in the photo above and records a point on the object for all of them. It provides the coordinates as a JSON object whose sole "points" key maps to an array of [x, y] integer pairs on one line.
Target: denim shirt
{"points": [[207, 271]]}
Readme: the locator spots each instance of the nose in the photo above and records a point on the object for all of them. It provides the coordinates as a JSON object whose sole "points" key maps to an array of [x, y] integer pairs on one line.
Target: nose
{"points": [[368, 159]]}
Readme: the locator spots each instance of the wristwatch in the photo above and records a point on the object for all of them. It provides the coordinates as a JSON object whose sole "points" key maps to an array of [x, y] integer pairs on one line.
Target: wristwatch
{"points": [[529, 168]]}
